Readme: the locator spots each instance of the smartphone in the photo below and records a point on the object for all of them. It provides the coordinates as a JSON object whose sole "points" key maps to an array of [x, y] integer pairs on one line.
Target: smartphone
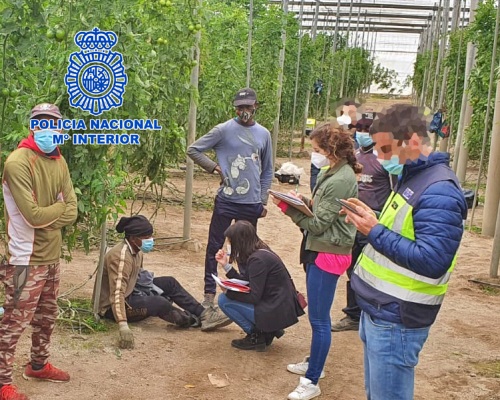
{"points": [[345, 204]]}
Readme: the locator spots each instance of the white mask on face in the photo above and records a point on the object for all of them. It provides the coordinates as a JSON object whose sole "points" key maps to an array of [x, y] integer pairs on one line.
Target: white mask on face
{"points": [[344, 119], [319, 160]]}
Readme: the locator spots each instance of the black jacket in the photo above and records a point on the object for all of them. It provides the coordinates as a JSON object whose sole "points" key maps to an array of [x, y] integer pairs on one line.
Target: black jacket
{"points": [[271, 292]]}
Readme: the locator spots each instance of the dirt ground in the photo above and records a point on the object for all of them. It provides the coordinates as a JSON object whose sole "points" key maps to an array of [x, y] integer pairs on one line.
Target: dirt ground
{"points": [[461, 359]]}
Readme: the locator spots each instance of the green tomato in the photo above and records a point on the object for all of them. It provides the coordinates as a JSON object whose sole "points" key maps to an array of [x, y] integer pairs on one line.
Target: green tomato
{"points": [[153, 53], [160, 41], [60, 35], [13, 92], [168, 3], [177, 100], [5, 92], [50, 34], [191, 28], [162, 2], [54, 89], [198, 27], [194, 63]]}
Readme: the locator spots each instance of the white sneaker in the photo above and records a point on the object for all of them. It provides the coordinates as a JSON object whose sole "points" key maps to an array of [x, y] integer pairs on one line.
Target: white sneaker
{"points": [[301, 368], [305, 391]]}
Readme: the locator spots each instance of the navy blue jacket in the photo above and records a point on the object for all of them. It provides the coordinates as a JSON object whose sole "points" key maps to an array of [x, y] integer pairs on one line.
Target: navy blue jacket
{"points": [[438, 222]]}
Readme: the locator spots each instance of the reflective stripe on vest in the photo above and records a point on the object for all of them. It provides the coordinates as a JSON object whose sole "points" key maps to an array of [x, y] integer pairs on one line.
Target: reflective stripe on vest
{"points": [[384, 275]]}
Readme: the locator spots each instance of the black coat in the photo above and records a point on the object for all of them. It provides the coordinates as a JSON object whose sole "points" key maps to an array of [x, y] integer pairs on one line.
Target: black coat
{"points": [[271, 292]]}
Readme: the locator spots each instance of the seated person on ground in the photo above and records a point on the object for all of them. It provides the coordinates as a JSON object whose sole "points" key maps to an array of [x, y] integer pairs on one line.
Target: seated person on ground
{"points": [[129, 293], [271, 305]]}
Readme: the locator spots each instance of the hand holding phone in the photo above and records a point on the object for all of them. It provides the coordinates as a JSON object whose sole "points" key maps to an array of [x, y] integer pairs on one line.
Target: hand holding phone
{"points": [[346, 205]]}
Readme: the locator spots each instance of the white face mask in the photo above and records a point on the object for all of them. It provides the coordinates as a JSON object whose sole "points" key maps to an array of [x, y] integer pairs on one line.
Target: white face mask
{"points": [[344, 119], [319, 160]]}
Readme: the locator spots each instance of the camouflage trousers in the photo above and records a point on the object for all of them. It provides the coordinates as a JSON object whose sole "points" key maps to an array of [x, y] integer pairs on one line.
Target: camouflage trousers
{"points": [[30, 297]]}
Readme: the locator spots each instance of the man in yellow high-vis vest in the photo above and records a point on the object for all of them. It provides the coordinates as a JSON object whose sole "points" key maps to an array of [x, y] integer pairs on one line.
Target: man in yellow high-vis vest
{"points": [[402, 275]]}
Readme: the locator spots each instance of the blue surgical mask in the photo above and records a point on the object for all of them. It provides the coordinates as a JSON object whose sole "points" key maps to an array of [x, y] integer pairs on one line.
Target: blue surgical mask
{"points": [[364, 139], [392, 166], [147, 245], [44, 140]]}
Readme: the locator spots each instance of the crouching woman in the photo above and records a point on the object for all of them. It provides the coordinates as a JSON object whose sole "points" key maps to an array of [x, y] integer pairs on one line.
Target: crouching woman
{"points": [[271, 305]]}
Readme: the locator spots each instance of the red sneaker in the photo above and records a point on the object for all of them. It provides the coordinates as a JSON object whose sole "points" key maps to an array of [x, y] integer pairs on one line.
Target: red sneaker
{"points": [[9, 392], [47, 373]]}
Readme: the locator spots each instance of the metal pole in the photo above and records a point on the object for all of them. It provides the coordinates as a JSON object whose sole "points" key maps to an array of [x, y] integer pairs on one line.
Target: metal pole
{"points": [[249, 46], [443, 143], [437, 70], [296, 89], [98, 276], [276, 127], [316, 112], [191, 134], [492, 193], [427, 72], [344, 65], [330, 75], [495, 255], [487, 116], [351, 51], [364, 89], [461, 151], [369, 73], [308, 93], [455, 89]]}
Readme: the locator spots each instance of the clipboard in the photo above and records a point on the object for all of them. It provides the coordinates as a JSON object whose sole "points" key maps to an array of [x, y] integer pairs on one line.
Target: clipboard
{"points": [[235, 285], [292, 201]]}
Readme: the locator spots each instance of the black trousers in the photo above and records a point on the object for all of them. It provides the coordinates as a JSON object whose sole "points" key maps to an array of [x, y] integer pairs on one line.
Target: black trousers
{"points": [[162, 306], [352, 309], [223, 215]]}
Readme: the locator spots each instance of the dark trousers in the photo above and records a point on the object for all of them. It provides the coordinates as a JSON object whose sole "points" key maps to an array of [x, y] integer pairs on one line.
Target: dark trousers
{"points": [[352, 309], [223, 215], [161, 306], [314, 176]]}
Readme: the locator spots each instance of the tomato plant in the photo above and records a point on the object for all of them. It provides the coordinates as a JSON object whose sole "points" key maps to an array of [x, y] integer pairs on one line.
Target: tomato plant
{"points": [[156, 39]]}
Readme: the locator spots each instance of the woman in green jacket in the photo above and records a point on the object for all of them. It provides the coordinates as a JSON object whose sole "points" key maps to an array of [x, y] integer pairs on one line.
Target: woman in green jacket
{"points": [[326, 248]]}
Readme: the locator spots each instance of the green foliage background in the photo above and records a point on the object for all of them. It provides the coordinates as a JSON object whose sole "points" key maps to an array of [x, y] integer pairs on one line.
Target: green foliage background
{"points": [[156, 38], [481, 33]]}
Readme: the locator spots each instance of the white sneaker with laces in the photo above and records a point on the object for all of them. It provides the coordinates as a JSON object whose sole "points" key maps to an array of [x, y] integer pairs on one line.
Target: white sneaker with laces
{"points": [[305, 391], [301, 368]]}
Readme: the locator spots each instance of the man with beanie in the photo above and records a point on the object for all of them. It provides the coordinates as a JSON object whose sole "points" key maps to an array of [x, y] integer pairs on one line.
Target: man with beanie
{"points": [[245, 165], [129, 293], [39, 201]]}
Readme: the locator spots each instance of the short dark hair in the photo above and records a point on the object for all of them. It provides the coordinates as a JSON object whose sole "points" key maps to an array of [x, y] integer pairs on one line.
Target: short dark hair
{"points": [[402, 120], [244, 241]]}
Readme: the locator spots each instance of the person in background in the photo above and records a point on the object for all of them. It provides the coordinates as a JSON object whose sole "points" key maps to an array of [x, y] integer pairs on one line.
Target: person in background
{"points": [[245, 165], [129, 293], [374, 187], [271, 305], [39, 200], [402, 275], [326, 248]]}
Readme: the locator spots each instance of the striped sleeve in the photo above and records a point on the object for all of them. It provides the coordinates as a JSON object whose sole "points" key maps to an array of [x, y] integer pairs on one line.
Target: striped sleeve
{"points": [[119, 271]]}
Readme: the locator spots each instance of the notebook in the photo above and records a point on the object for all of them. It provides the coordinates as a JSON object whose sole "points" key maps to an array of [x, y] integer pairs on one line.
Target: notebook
{"points": [[292, 201]]}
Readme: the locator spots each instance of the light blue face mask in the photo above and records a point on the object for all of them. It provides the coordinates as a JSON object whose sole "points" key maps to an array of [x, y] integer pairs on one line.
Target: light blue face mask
{"points": [[44, 140], [147, 245], [364, 139], [392, 166]]}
